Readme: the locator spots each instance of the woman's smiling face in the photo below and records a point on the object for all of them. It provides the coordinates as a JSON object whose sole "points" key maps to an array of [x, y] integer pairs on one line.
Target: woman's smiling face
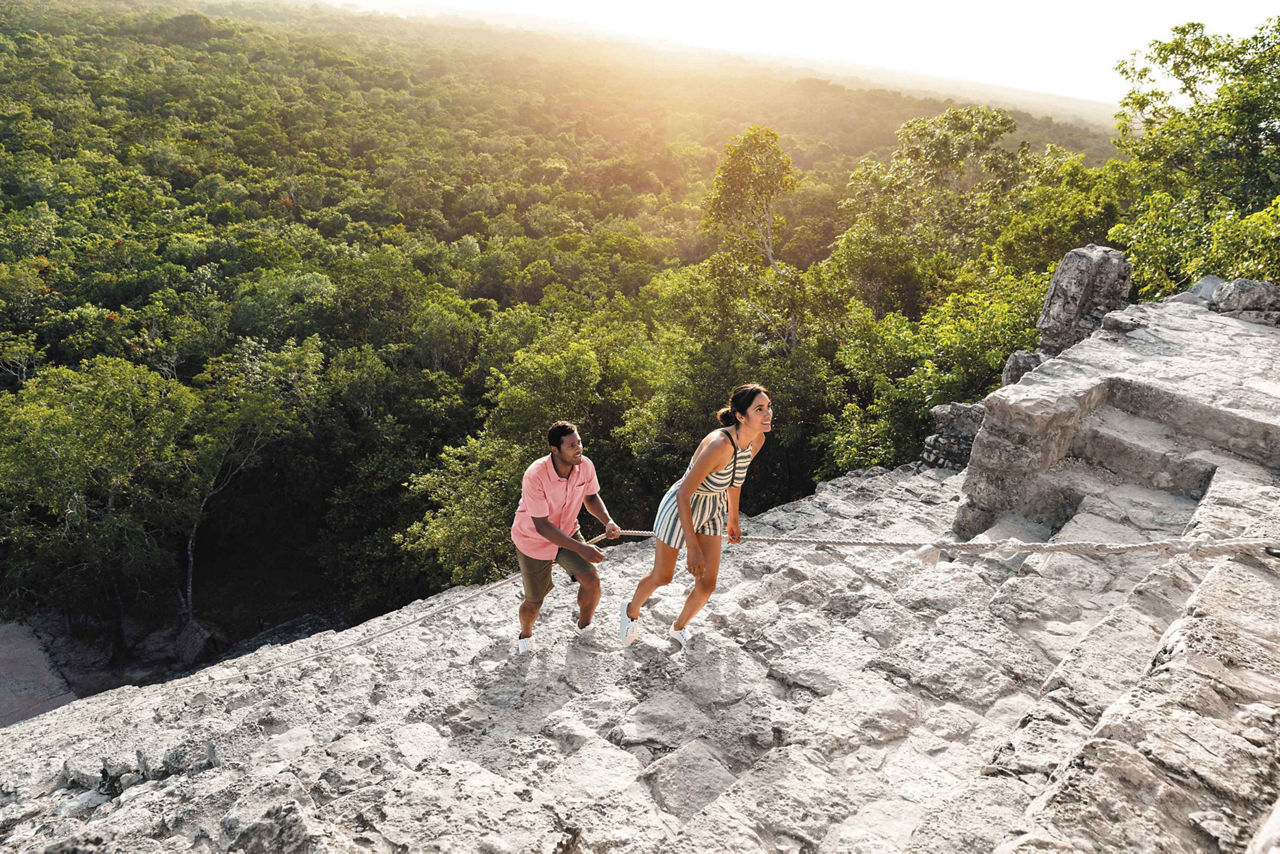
{"points": [[759, 417]]}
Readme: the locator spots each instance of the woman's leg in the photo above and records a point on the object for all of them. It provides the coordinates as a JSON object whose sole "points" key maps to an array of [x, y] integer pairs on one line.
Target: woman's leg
{"points": [[704, 586], [664, 568]]}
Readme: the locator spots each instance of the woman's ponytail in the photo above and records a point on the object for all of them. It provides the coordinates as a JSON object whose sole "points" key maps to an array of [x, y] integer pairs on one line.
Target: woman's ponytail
{"points": [[739, 402]]}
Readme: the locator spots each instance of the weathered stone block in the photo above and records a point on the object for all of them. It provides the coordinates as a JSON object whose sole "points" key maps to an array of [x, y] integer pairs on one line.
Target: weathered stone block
{"points": [[685, 781], [1019, 364], [1245, 295], [1087, 284]]}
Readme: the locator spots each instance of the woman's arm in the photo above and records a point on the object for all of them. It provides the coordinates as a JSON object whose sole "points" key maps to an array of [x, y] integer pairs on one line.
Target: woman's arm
{"points": [[735, 530]]}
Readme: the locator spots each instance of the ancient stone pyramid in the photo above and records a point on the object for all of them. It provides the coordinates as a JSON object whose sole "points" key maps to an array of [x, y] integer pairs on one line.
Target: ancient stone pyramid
{"points": [[833, 699]]}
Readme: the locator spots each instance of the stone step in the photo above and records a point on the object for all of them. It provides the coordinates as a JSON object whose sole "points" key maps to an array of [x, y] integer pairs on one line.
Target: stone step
{"points": [[1247, 434], [1112, 659], [1105, 663], [1054, 497], [1072, 608], [1186, 759], [1142, 451]]}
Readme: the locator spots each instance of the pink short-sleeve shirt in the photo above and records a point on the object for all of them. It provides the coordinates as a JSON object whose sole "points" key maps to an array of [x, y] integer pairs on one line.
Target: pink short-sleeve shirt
{"points": [[543, 492]]}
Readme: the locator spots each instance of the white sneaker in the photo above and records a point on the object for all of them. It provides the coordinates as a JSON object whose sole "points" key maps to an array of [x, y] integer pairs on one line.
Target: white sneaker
{"points": [[628, 628], [681, 635], [585, 632], [524, 645]]}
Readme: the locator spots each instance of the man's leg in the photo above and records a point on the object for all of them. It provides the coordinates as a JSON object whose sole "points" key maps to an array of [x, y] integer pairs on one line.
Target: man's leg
{"points": [[536, 575], [588, 596], [528, 616], [584, 573]]}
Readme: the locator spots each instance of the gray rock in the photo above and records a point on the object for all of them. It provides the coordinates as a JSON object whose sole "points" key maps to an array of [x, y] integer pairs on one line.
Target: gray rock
{"points": [[824, 663], [1118, 321], [81, 805], [668, 719], [719, 672], [1019, 364], [957, 424], [946, 671], [936, 590], [1087, 284], [687, 780], [1263, 318], [1205, 287], [1245, 295], [976, 819], [958, 419], [867, 709], [787, 797]]}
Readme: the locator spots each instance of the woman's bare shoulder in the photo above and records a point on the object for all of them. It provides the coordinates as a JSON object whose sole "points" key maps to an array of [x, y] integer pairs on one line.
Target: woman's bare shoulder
{"points": [[715, 442]]}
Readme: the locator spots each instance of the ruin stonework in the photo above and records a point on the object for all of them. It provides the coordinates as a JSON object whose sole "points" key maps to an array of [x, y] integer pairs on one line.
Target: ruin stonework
{"points": [[833, 699], [957, 425], [1087, 286]]}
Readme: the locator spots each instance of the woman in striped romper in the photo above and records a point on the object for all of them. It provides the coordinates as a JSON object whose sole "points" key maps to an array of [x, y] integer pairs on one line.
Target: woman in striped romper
{"points": [[701, 507]]}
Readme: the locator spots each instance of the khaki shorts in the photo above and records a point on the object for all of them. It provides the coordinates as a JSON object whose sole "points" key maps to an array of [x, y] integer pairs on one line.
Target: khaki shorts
{"points": [[536, 572]]}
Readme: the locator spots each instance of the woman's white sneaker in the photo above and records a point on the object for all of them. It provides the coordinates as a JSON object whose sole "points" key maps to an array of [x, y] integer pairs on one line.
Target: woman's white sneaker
{"points": [[524, 645], [681, 635], [628, 628]]}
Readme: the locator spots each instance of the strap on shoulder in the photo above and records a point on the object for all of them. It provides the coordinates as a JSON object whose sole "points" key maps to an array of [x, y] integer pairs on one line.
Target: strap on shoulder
{"points": [[733, 477]]}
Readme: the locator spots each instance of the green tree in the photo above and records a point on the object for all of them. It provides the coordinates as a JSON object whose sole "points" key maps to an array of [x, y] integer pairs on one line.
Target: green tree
{"points": [[249, 398], [900, 369], [1200, 126], [752, 178], [92, 467], [951, 186]]}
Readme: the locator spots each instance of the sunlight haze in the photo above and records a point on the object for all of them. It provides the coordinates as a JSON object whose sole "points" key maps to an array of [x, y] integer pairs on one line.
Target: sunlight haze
{"points": [[1068, 51]]}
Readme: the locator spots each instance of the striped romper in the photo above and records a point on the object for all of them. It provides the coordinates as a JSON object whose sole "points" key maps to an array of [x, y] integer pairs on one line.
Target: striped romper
{"points": [[710, 505]]}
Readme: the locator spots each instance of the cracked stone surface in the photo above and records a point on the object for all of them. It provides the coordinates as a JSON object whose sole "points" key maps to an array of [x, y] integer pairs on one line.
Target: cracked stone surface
{"points": [[833, 699]]}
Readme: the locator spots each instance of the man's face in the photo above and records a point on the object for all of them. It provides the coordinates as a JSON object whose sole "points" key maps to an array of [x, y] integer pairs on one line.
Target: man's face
{"points": [[570, 450]]}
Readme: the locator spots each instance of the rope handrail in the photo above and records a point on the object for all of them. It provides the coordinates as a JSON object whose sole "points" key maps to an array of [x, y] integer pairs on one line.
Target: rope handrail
{"points": [[926, 553]]}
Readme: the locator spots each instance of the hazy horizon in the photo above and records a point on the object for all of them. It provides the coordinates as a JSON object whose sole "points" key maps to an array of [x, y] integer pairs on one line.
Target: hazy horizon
{"points": [[994, 44]]}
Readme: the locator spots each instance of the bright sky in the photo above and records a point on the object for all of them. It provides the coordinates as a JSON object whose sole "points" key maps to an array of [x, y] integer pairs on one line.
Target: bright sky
{"points": [[1061, 48]]}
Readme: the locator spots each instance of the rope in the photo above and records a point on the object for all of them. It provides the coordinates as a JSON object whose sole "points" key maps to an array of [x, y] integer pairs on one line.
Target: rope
{"points": [[926, 553], [929, 553]]}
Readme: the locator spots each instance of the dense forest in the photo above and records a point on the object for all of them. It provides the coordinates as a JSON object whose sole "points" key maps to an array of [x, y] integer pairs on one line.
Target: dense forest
{"points": [[289, 296]]}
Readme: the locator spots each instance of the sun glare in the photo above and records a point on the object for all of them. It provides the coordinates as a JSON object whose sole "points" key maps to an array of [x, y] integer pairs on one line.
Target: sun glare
{"points": [[1069, 52]]}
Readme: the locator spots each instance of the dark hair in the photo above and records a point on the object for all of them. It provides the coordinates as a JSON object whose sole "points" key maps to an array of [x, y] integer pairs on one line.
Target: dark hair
{"points": [[739, 402], [558, 431]]}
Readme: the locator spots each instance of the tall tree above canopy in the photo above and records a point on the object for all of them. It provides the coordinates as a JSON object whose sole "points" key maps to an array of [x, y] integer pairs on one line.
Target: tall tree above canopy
{"points": [[1202, 128], [1204, 115], [742, 205], [947, 191]]}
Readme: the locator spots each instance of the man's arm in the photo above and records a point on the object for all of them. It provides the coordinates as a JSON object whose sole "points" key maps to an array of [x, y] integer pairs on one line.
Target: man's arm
{"points": [[595, 506], [551, 533]]}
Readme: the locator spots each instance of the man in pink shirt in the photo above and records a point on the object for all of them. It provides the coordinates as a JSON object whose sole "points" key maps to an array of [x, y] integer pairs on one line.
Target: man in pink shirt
{"points": [[545, 530]]}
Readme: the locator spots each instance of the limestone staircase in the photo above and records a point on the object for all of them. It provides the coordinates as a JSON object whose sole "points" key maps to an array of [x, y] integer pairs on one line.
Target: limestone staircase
{"points": [[1137, 739], [768, 733]]}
